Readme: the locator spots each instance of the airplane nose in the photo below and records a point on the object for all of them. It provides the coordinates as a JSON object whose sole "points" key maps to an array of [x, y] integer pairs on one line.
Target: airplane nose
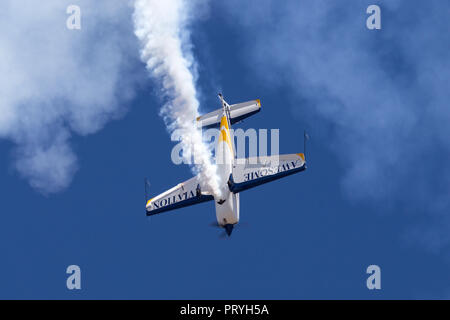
{"points": [[228, 229]]}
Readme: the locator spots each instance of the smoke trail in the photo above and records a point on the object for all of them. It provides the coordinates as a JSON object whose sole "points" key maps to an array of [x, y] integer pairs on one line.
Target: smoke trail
{"points": [[57, 83], [162, 28]]}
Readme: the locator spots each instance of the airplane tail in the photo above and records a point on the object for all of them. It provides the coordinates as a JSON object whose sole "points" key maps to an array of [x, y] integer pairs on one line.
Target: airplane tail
{"points": [[238, 112]]}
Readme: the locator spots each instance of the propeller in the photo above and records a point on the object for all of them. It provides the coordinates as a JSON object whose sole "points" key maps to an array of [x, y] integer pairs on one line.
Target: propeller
{"points": [[227, 229]]}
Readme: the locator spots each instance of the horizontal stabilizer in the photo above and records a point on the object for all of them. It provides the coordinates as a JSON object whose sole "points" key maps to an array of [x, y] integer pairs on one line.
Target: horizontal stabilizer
{"points": [[238, 112]]}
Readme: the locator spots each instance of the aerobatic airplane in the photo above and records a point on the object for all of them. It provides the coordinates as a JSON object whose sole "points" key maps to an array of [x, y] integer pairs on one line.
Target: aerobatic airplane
{"points": [[236, 174]]}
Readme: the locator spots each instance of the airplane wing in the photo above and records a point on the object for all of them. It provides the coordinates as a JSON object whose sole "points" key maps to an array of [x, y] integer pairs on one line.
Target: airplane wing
{"points": [[182, 195], [238, 112], [252, 172]]}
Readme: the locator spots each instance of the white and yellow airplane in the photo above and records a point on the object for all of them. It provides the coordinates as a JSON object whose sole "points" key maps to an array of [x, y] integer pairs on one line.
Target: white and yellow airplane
{"points": [[236, 174]]}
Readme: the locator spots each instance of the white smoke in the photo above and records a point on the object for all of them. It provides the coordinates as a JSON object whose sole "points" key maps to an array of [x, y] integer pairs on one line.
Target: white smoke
{"points": [[56, 82], [162, 28]]}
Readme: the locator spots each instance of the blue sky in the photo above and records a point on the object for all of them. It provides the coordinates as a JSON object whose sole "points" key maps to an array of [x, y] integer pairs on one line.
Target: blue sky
{"points": [[375, 192]]}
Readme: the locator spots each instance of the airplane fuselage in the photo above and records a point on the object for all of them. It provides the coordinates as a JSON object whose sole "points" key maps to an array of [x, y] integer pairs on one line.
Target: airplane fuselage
{"points": [[227, 205]]}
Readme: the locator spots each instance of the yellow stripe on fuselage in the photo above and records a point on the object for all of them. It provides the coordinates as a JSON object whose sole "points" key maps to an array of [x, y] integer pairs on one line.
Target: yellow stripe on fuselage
{"points": [[225, 133]]}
